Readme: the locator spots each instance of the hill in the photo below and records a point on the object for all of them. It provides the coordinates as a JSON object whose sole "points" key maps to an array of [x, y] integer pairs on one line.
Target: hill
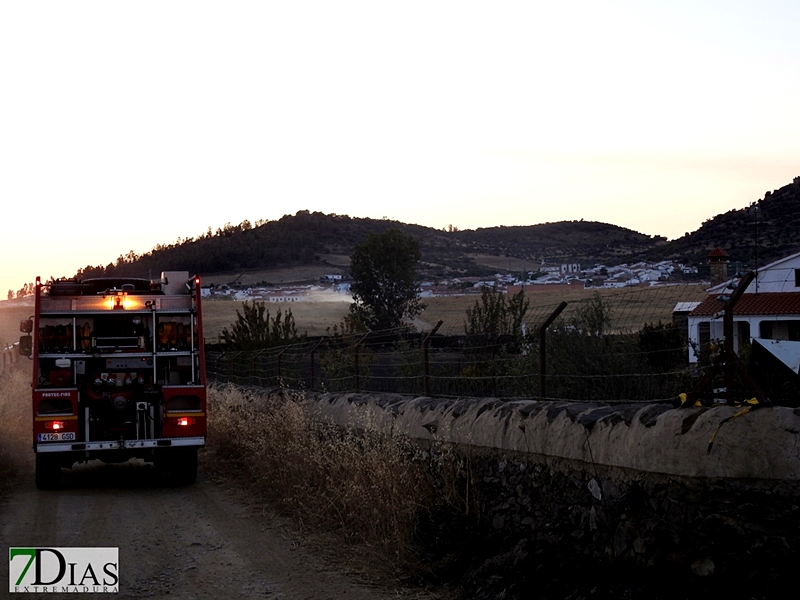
{"points": [[768, 228], [565, 241], [307, 237]]}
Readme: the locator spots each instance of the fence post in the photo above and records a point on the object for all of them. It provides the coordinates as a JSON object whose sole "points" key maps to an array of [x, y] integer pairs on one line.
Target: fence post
{"points": [[426, 367], [543, 348], [355, 361], [313, 350], [280, 358]]}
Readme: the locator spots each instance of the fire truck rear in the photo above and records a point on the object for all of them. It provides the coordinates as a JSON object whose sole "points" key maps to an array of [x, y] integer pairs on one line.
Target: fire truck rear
{"points": [[119, 373]]}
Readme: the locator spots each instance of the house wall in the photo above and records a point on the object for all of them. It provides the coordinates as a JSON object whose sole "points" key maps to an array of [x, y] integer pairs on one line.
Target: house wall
{"points": [[779, 277], [780, 328]]}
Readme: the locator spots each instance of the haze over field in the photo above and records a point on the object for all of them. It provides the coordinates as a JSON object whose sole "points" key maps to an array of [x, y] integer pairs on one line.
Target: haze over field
{"points": [[126, 126]]}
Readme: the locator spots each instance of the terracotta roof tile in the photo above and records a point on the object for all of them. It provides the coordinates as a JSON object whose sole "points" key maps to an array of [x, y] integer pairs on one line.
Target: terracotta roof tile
{"points": [[718, 253], [768, 303]]}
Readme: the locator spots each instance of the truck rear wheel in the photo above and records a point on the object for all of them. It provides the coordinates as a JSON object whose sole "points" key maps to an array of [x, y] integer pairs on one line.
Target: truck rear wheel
{"points": [[48, 472]]}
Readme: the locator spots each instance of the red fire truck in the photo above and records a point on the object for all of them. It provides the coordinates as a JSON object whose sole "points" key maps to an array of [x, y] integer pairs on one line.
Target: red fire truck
{"points": [[118, 373]]}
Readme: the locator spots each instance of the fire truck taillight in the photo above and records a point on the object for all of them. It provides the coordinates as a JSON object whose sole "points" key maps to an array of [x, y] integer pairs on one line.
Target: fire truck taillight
{"points": [[54, 425], [183, 421]]}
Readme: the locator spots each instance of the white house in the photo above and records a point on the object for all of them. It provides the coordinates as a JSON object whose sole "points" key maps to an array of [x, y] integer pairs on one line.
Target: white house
{"points": [[769, 309]]}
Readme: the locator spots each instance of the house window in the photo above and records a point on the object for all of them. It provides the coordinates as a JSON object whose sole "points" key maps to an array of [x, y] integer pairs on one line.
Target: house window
{"points": [[704, 333], [780, 330], [797, 278]]}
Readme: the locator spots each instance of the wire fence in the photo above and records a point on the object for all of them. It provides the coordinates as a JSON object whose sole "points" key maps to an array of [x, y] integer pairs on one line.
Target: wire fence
{"points": [[626, 346], [9, 356]]}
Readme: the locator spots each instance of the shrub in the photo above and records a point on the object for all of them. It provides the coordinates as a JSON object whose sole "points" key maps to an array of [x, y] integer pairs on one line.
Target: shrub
{"points": [[254, 329], [361, 483], [496, 319]]}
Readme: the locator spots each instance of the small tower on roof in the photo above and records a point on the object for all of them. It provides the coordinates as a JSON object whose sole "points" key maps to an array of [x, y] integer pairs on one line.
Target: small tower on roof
{"points": [[718, 263]]}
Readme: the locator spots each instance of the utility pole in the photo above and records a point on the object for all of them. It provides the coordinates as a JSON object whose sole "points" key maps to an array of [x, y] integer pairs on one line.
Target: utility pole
{"points": [[756, 210]]}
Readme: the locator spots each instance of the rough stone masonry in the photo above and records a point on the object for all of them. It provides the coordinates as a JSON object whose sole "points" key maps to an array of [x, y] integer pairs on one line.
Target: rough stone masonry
{"points": [[579, 498]]}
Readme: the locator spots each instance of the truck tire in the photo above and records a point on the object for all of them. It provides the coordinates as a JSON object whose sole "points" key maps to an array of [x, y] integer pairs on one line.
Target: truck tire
{"points": [[48, 472]]}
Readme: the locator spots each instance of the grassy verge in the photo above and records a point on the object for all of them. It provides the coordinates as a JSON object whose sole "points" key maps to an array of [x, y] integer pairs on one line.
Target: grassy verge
{"points": [[15, 425], [368, 487]]}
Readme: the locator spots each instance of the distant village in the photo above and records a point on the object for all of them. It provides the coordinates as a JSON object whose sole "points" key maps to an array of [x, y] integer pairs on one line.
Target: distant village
{"points": [[566, 274]]}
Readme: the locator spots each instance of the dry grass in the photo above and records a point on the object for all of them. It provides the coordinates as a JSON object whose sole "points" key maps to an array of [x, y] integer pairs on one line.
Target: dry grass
{"points": [[366, 486], [631, 307], [11, 313], [15, 424], [312, 318]]}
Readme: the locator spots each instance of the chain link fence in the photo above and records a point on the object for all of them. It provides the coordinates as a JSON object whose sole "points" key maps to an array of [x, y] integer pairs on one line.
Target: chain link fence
{"points": [[625, 347]]}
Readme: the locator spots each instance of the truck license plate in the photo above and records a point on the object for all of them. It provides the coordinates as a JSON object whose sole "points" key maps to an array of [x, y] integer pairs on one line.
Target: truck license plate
{"points": [[64, 436]]}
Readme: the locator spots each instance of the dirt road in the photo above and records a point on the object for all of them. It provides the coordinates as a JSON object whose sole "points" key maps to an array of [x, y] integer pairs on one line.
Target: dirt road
{"points": [[198, 541]]}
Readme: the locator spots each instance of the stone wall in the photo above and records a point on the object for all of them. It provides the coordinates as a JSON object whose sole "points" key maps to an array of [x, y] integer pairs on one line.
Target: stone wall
{"points": [[649, 438], [560, 500]]}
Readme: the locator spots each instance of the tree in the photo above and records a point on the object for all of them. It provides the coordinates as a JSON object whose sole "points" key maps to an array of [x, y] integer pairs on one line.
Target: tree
{"points": [[494, 316], [255, 329], [593, 317], [385, 289]]}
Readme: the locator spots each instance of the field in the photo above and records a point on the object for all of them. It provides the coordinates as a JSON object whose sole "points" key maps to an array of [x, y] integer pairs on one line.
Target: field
{"points": [[11, 313], [630, 309], [312, 318]]}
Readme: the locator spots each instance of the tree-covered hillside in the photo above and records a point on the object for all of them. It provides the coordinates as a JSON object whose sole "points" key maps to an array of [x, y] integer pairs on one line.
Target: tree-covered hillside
{"points": [[300, 239], [580, 241], [291, 240], [775, 219]]}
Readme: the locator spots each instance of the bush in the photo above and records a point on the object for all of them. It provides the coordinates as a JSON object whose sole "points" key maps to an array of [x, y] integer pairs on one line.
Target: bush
{"points": [[495, 321], [254, 329], [338, 361], [363, 484]]}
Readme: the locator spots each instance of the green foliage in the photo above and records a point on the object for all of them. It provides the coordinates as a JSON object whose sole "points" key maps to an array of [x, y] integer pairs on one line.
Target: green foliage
{"points": [[494, 316], [384, 287], [254, 329], [663, 346], [586, 361], [338, 361], [593, 317]]}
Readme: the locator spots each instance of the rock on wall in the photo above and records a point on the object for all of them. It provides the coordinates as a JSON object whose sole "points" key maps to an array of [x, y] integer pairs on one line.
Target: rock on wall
{"points": [[649, 438]]}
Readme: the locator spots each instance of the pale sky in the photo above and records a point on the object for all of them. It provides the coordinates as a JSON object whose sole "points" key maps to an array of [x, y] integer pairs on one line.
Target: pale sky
{"points": [[125, 125]]}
